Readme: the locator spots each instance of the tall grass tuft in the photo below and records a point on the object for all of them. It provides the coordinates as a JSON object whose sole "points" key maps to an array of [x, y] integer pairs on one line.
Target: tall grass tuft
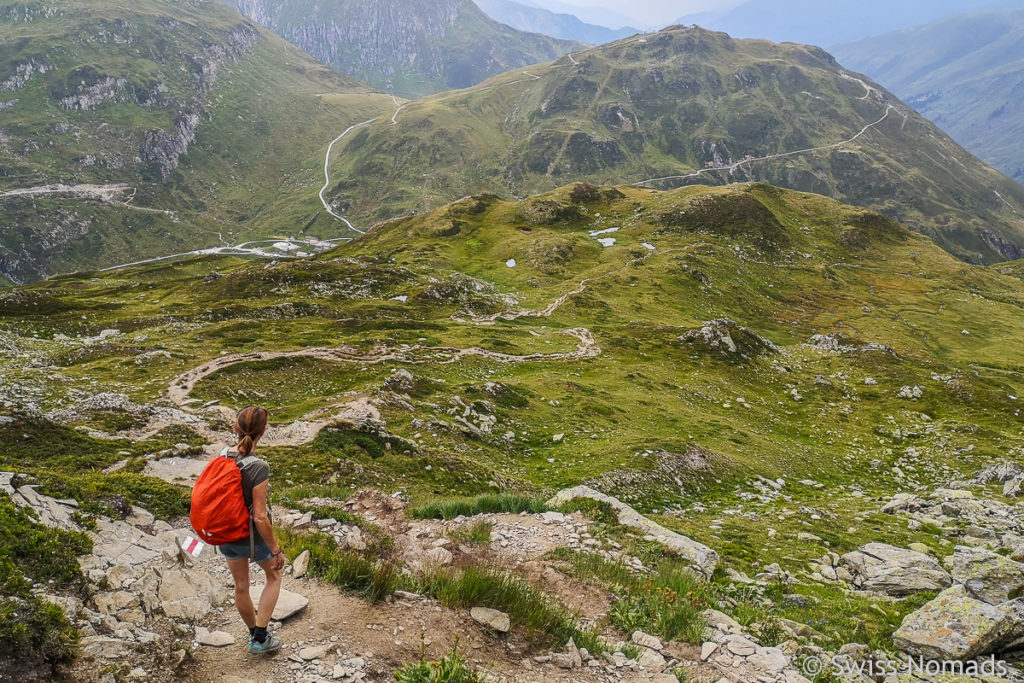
{"points": [[545, 622], [510, 503]]}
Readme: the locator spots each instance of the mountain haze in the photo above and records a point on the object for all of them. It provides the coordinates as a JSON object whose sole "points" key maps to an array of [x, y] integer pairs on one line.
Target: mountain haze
{"points": [[408, 47], [685, 102], [538, 20], [170, 124], [965, 73], [835, 21]]}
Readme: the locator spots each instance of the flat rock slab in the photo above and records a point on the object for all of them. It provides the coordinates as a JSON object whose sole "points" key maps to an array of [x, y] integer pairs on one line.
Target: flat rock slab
{"points": [[703, 558], [953, 626], [288, 605], [492, 618], [214, 638]]}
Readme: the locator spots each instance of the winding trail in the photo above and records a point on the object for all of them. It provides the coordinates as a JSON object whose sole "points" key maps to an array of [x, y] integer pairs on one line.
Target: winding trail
{"points": [[327, 174], [731, 167], [108, 194], [306, 428]]}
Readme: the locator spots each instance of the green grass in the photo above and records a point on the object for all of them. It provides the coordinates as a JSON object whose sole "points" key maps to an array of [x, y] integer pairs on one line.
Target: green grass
{"points": [[451, 668], [477, 533], [541, 618], [509, 503], [374, 579]]}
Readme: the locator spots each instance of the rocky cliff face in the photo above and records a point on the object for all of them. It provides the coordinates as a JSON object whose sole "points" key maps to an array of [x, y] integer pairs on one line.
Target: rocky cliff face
{"points": [[412, 47]]}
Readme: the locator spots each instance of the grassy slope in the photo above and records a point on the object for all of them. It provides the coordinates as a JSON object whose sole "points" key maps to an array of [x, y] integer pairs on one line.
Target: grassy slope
{"points": [[964, 74], [263, 126], [652, 419], [684, 98]]}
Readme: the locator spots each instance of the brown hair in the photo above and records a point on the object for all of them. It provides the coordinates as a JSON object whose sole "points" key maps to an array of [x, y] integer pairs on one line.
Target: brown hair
{"points": [[249, 426]]}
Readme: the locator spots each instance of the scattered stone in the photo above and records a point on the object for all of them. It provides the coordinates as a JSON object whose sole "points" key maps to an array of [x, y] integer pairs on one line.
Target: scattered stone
{"points": [[213, 638], [910, 393], [310, 653], [646, 640], [492, 618], [288, 604]]}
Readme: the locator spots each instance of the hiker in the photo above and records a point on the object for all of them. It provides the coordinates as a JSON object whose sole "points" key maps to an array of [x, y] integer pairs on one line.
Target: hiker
{"points": [[243, 533]]}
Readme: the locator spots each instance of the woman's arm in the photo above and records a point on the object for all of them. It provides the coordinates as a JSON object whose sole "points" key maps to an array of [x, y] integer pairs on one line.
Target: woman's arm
{"points": [[262, 520]]}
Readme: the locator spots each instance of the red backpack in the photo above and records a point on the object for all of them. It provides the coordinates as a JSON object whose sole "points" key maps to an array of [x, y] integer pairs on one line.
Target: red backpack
{"points": [[219, 514]]}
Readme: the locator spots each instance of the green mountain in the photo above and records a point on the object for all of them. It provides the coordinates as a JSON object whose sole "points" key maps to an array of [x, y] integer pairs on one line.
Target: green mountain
{"points": [[408, 47], [965, 73], [677, 107], [129, 132], [759, 369]]}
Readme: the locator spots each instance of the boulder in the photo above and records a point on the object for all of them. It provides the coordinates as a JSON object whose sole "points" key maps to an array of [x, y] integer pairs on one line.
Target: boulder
{"points": [[999, 473], [491, 618], [894, 571], [700, 557], [987, 576], [104, 647], [288, 604], [1015, 487], [953, 626]]}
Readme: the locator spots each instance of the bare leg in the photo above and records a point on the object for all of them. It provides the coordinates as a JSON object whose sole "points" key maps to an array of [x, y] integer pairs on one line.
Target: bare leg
{"points": [[240, 574], [270, 592]]}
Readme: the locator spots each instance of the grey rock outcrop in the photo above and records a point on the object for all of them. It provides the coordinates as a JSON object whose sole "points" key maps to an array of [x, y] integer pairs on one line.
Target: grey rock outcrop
{"points": [[894, 571], [727, 339], [953, 626], [701, 557], [987, 576]]}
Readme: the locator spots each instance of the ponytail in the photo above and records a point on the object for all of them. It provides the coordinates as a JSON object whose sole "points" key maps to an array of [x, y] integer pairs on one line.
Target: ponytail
{"points": [[249, 426], [245, 446]]}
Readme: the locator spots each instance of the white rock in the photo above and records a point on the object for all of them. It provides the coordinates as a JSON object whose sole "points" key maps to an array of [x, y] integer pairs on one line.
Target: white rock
{"points": [[288, 604]]}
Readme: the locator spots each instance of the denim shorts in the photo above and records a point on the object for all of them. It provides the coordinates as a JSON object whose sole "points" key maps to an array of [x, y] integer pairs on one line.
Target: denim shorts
{"points": [[240, 550]]}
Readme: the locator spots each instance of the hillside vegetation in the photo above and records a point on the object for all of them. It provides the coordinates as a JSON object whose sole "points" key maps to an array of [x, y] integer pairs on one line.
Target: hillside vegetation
{"points": [[756, 368], [170, 124], [684, 106]]}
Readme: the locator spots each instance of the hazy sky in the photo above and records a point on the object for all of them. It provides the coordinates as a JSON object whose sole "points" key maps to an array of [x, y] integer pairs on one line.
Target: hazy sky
{"points": [[652, 12]]}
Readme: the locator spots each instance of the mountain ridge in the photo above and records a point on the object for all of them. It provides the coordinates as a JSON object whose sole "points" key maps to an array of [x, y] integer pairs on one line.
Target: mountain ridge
{"points": [[409, 47], [737, 110]]}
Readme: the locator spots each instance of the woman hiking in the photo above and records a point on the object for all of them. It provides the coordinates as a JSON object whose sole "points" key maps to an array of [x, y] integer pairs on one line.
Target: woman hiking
{"points": [[262, 548]]}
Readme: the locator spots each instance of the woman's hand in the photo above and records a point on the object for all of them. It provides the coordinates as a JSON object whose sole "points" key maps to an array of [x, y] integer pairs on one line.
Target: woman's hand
{"points": [[278, 559]]}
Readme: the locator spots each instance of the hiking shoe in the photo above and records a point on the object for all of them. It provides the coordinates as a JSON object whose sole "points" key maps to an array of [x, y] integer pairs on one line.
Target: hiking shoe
{"points": [[268, 646]]}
